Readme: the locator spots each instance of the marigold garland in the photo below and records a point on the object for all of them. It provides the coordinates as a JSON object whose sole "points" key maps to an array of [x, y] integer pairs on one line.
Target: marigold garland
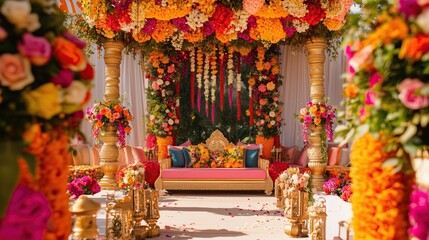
{"points": [[162, 146], [163, 30], [380, 197], [267, 145], [273, 10]]}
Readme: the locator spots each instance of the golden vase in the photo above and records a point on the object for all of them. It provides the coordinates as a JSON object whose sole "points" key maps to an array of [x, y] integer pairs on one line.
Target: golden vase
{"points": [[296, 212], [109, 151]]}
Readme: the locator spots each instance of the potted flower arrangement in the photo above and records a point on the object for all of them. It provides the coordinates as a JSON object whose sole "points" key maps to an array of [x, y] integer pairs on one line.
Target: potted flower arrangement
{"points": [[84, 185], [318, 115], [294, 179], [338, 183], [131, 176], [109, 114]]}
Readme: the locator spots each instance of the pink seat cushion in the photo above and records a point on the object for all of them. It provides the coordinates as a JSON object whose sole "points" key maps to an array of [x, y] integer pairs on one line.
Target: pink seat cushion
{"points": [[302, 159], [334, 156], [213, 173]]}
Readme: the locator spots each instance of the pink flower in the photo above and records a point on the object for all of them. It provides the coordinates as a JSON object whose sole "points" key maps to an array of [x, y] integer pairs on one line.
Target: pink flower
{"points": [[362, 58], [363, 114], [155, 86], [370, 97], [3, 34], [307, 119], [409, 94], [64, 78], [37, 49], [374, 79], [15, 71], [262, 88], [303, 111]]}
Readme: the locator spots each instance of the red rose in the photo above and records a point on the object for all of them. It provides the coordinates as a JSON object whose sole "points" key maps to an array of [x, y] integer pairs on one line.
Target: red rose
{"points": [[88, 73]]}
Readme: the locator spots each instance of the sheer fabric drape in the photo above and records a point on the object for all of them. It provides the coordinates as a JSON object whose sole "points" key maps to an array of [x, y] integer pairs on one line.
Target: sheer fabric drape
{"points": [[294, 93]]}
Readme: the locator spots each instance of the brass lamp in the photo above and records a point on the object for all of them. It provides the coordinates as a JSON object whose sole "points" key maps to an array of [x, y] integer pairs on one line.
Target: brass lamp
{"points": [[84, 213], [138, 212], [119, 218], [318, 220]]}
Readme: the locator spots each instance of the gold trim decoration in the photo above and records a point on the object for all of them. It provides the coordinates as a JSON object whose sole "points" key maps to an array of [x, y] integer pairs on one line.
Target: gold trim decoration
{"points": [[139, 210], [318, 220], [152, 212]]}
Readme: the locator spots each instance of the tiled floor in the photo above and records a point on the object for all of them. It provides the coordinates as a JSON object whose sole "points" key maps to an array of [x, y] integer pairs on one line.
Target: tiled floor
{"points": [[229, 215]]}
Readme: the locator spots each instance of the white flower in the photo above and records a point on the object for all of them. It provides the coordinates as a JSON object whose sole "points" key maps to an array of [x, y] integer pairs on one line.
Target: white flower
{"points": [[272, 114], [167, 110], [167, 83], [303, 111], [141, 171], [75, 93], [301, 26], [19, 14], [272, 122], [423, 20], [170, 121], [160, 82], [196, 19]]}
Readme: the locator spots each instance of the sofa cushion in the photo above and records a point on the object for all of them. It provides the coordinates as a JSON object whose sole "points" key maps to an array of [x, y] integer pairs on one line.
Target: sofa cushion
{"points": [[252, 157], [177, 157], [213, 173], [199, 156]]}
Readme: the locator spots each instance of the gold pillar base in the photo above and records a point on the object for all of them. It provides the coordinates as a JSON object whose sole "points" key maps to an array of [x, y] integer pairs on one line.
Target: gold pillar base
{"points": [[153, 229], [296, 229], [140, 233]]}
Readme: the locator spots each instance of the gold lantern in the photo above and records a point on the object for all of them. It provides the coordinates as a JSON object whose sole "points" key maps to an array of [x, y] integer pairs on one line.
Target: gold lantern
{"points": [[296, 212], [318, 220], [119, 218], [139, 212], [152, 213], [84, 213]]}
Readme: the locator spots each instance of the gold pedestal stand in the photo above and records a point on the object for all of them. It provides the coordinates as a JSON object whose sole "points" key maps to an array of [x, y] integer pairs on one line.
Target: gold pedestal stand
{"points": [[296, 212], [138, 197], [318, 220], [152, 212], [315, 49], [109, 151], [84, 213]]}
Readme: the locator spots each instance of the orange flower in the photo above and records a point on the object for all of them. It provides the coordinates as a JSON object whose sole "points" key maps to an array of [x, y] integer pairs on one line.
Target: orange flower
{"points": [[380, 196], [351, 91], [414, 48], [262, 101], [108, 114], [103, 111], [99, 124], [162, 146], [118, 108], [126, 112], [317, 120], [163, 30], [69, 55], [127, 129], [251, 81]]}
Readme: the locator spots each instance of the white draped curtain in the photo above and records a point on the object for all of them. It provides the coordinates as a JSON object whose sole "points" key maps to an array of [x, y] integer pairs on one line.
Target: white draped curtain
{"points": [[295, 92]]}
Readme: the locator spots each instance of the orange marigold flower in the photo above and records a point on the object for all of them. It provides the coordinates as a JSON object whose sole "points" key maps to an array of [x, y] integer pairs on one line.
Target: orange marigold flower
{"points": [[317, 120], [351, 91], [414, 48], [126, 112], [127, 129], [103, 111], [118, 108]]}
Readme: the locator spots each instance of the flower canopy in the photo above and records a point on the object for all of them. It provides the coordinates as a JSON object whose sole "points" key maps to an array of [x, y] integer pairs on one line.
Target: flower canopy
{"points": [[183, 23]]}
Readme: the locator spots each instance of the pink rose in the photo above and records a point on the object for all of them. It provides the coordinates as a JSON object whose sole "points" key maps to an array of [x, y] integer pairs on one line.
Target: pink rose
{"points": [[303, 111], [155, 86], [262, 88], [370, 97], [15, 71], [64, 78], [3, 34], [374, 79], [37, 49], [362, 58], [409, 94]]}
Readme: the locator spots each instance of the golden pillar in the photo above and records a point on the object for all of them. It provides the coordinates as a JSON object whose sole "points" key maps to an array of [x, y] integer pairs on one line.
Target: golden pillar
{"points": [[109, 151], [315, 48]]}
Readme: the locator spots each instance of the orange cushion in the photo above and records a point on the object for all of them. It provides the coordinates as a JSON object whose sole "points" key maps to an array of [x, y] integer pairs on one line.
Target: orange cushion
{"points": [[213, 173]]}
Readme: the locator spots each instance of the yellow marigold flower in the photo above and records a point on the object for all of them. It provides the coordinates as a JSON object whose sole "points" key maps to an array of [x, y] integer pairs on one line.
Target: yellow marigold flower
{"points": [[333, 24], [251, 81], [271, 86], [313, 109]]}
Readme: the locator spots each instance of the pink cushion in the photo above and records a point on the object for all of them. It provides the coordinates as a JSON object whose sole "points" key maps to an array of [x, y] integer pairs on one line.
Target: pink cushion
{"points": [[302, 159], [288, 153], [138, 154], [334, 156], [187, 143], [213, 173]]}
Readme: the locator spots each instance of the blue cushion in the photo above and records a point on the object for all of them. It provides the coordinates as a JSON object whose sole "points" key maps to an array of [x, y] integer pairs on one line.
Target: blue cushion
{"points": [[252, 156], [187, 157], [177, 157]]}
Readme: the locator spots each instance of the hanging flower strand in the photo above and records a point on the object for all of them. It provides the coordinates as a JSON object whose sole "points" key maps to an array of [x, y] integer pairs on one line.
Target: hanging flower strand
{"points": [[221, 78], [192, 58], [230, 66], [251, 103], [238, 86], [213, 68], [206, 82], [199, 76]]}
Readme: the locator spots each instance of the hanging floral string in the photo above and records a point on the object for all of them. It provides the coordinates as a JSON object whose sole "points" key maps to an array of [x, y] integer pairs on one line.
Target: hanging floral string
{"points": [[251, 103], [221, 78], [230, 66], [206, 82], [238, 86], [213, 68], [192, 58], [199, 76]]}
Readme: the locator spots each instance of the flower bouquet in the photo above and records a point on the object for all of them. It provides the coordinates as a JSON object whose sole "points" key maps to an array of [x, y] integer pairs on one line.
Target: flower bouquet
{"points": [[131, 176], [317, 114], [294, 179], [84, 185], [109, 114]]}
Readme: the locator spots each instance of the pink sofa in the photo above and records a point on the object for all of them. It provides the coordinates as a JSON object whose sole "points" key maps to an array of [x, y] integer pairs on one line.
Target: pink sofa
{"points": [[186, 178]]}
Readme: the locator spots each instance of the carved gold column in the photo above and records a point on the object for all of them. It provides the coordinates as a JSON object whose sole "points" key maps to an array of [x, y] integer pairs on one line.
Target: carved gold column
{"points": [[109, 151], [316, 59]]}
